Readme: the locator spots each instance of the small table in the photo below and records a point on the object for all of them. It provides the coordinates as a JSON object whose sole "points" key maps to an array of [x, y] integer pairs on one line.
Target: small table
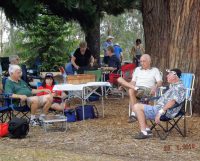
{"points": [[84, 91], [54, 119]]}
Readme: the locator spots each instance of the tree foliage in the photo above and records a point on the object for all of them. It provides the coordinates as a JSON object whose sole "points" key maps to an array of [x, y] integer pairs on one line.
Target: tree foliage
{"points": [[125, 28], [50, 38]]}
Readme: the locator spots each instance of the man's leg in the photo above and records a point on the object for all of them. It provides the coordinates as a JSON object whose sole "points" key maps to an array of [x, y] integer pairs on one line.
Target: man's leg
{"points": [[139, 109], [144, 112], [47, 100], [33, 102]]}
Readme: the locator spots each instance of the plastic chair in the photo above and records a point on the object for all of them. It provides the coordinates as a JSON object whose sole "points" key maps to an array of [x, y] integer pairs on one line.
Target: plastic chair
{"points": [[188, 82]]}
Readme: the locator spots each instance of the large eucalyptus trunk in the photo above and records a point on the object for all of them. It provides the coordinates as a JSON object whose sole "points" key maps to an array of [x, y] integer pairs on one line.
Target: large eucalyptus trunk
{"points": [[92, 36], [172, 36]]}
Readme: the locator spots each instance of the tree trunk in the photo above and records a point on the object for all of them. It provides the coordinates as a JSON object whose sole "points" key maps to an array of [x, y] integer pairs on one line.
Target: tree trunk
{"points": [[172, 37], [92, 37]]}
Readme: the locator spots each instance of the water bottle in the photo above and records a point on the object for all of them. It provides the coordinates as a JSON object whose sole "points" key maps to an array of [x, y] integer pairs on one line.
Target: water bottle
{"points": [[64, 77]]}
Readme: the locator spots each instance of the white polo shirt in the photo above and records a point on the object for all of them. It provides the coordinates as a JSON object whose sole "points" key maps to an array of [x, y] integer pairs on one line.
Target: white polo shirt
{"points": [[146, 78]]}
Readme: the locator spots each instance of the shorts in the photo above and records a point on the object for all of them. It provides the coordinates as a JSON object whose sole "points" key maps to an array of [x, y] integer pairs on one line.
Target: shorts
{"points": [[41, 100], [143, 92], [150, 112]]}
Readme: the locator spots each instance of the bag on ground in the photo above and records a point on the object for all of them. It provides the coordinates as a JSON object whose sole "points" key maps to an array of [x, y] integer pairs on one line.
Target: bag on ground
{"points": [[90, 112], [18, 128]]}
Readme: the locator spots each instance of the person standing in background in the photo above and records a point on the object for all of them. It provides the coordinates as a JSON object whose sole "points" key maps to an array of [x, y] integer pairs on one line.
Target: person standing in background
{"points": [[137, 51], [118, 52], [82, 58], [105, 46]]}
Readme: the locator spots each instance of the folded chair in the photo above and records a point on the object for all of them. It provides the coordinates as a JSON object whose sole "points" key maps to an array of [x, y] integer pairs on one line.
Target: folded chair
{"points": [[164, 131]]}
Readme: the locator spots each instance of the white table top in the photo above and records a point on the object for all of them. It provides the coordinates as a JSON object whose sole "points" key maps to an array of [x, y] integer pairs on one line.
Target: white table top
{"points": [[79, 87]]}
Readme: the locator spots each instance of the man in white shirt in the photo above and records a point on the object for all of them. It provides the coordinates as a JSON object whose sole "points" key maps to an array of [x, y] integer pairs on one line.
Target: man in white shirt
{"points": [[145, 81]]}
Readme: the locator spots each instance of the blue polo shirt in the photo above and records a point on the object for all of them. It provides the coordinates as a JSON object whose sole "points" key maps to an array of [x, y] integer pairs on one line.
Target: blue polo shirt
{"points": [[117, 51]]}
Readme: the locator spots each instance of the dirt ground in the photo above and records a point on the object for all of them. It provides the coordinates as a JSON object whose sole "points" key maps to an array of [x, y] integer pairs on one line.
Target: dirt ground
{"points": [[102, 139]]}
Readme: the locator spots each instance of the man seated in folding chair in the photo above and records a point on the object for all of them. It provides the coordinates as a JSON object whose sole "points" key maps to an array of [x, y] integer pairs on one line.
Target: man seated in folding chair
{"points": [[145, 81], [165, 105], [20, 90]]}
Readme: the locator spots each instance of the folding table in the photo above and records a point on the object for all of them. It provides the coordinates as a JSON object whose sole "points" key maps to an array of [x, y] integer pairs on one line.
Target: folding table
{"points": [[84, 91]]}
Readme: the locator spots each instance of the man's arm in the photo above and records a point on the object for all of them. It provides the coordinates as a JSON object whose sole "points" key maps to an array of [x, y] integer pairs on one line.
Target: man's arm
{"points": [[162, 111], [36, 91], [73, 62]]}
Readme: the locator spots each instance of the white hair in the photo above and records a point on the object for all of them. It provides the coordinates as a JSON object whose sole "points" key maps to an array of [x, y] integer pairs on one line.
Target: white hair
{"points": [[13, 58], [147, 57], [13, 68]]}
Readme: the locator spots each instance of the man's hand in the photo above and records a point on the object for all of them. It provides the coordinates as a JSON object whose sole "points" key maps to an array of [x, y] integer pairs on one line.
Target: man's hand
{"points": [[153, 91], [77, 67], [23, 97], [157, 119]]}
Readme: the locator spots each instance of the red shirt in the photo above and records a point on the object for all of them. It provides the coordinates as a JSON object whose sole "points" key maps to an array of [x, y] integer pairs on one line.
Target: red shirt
{"points": [[59, 93]]}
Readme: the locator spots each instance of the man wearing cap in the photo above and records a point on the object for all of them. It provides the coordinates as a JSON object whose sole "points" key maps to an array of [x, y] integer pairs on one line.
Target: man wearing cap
{"points": [[82, 58], [105, 45], [20, 90], [174, 95]]}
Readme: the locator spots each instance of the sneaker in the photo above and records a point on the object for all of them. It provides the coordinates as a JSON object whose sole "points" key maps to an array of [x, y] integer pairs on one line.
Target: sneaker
{"points": [[132, 119], [34, 122], [149, 132], [140, 135]]}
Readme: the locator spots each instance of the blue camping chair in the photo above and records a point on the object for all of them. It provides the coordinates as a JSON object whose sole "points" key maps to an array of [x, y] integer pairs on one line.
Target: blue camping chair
{"points": [[5, 108], [171, 123], [19, 110], [188, 82]]}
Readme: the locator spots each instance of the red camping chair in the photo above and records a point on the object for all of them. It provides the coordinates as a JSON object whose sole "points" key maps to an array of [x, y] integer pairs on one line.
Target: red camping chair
{"points": [[127, 71]]}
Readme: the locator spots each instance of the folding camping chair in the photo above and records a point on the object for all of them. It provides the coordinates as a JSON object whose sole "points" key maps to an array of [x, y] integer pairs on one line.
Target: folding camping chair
{"points": [[127, 71], [5, 109], [188, 82], [113, 91], [19, 110], [171, 123], [97, 73]]}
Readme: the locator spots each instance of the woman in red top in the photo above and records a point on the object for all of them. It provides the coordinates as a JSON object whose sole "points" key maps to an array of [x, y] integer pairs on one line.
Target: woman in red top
{"points": [[49, 83]]}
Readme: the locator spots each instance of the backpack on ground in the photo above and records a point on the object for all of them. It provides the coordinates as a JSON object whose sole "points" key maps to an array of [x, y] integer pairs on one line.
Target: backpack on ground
{"points": [[18, 127]]}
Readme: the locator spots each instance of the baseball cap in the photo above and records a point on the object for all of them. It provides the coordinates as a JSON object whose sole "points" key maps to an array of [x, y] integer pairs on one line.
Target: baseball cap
{"points": [[175, 71], [49, 75]]}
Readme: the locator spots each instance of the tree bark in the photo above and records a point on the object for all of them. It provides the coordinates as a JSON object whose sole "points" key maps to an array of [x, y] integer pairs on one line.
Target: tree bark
{"points": [[172, 37], [92, 37]]}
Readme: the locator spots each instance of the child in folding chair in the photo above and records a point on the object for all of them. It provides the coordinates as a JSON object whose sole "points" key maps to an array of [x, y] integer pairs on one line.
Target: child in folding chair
{"points": [[49, 83], [175, 94]]}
